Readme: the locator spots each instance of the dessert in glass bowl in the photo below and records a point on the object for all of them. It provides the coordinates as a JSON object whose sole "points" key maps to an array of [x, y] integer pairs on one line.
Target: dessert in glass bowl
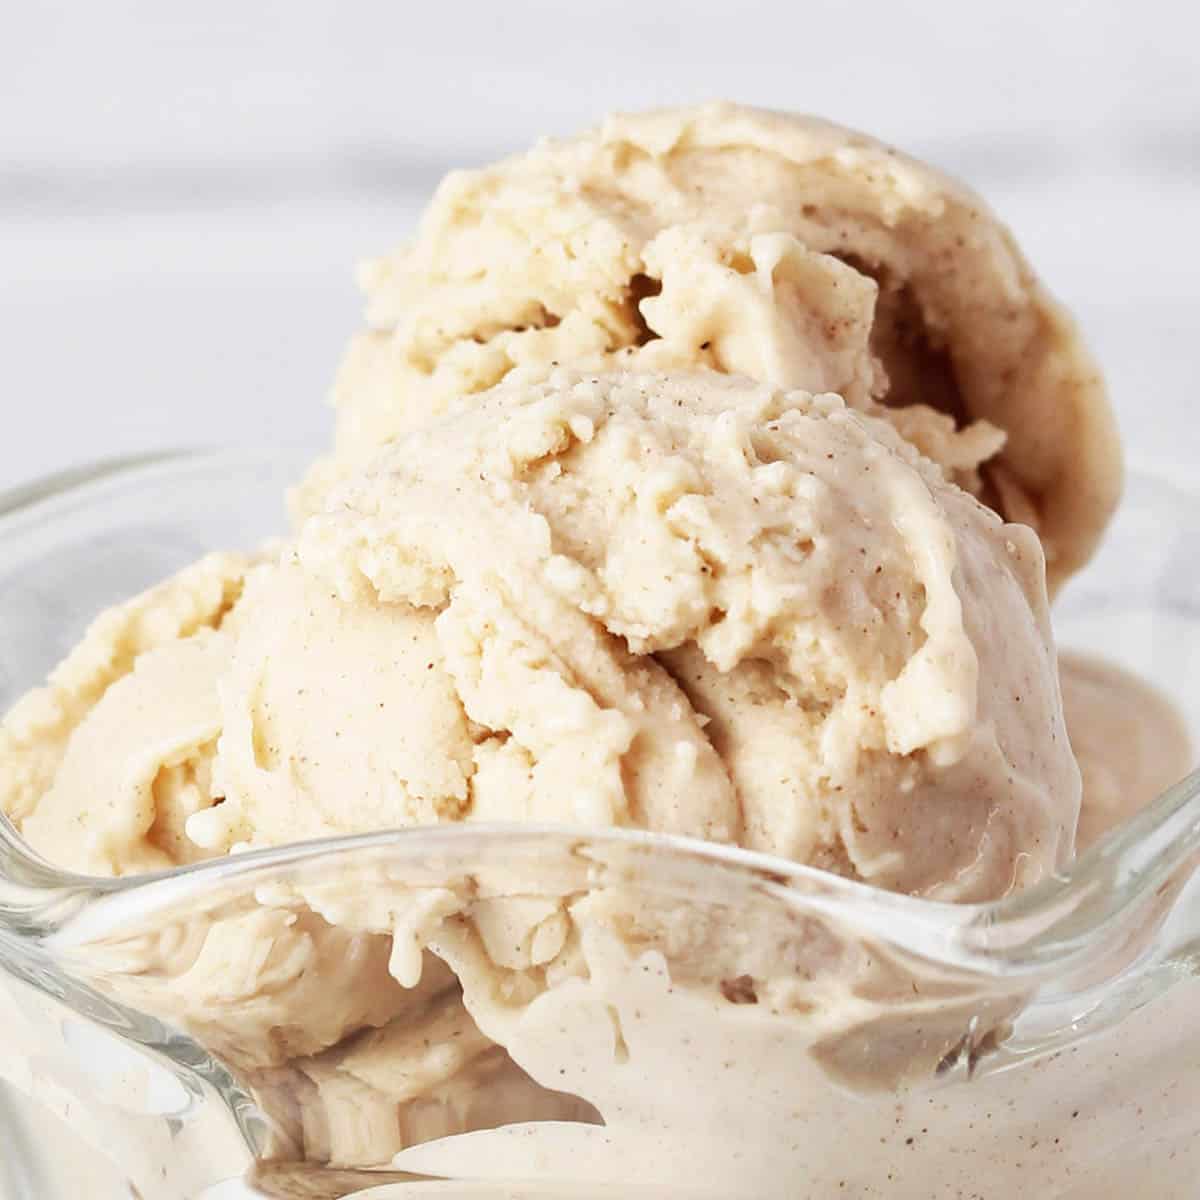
{"points": [[643, 763]]}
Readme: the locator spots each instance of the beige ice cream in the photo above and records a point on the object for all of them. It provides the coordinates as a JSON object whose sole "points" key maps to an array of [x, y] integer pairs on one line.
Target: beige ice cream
{"points": [[665, 497], [124, 790], [686, 603], [1130, 741], [779, 247]]}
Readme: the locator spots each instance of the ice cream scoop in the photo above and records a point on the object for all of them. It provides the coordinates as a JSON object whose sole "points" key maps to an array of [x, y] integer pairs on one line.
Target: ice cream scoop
{"points": [[783, 248], [687, 603]]}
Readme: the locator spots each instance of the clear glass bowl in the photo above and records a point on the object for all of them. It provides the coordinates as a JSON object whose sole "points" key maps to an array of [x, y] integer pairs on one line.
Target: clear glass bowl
{"points": [[625, 1014]]}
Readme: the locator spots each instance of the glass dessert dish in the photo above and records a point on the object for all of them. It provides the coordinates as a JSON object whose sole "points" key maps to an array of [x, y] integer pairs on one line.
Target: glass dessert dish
{"points": [[525, 1011]]}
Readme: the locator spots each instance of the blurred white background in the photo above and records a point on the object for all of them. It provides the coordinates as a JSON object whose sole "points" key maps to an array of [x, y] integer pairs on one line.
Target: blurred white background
{"points": [[184, 189]]}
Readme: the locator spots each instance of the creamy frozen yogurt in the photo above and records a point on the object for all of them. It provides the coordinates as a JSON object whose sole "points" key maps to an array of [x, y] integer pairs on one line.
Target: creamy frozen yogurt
{"points": [[1130, 741], [779, 247], [702, 475], [682, 602]]}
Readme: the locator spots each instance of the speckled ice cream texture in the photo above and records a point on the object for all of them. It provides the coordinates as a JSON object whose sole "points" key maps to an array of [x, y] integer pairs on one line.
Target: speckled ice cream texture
{"points": [[687, 603], [664, 496], [780, 247]]}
